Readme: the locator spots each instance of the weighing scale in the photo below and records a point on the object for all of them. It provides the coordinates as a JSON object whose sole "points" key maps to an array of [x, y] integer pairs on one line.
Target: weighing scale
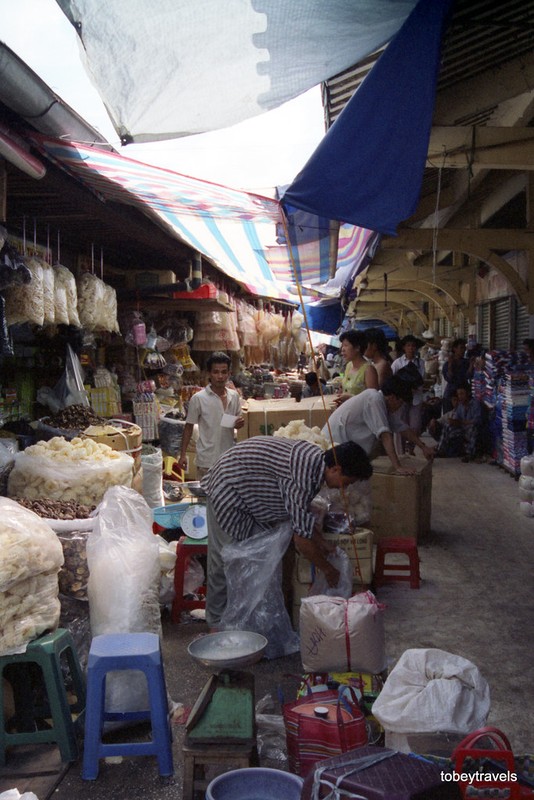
{"points": [[189, 514], [224, 710]]}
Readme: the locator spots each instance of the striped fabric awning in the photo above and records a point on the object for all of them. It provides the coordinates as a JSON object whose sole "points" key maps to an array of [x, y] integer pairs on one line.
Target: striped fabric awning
{"points": [[228, 226], [311, 265], [233, 229]]}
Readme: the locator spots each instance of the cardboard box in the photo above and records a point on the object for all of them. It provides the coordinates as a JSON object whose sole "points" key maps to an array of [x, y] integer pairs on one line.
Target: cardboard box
{"points": [[401, 504], [139, 279], [266, 416]]}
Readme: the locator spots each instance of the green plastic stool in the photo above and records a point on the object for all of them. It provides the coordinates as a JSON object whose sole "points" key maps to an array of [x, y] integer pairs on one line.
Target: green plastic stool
{"points": [[46, 653]]}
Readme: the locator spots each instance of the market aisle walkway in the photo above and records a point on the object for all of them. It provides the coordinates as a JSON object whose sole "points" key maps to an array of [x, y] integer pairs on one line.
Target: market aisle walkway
{"points": [[476, 600]]}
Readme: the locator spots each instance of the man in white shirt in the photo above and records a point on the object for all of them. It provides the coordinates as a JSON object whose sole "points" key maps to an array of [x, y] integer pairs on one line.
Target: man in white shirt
{"points": [[206, 409], [412, 412], [371, 416]]}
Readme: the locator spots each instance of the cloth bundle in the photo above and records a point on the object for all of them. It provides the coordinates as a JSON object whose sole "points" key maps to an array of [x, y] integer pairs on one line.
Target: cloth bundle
{"points": [[31, 559]]}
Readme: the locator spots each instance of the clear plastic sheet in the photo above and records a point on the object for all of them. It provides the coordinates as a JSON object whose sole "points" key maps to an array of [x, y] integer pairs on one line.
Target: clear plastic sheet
{"points": [[254, 583], [124, 581]]}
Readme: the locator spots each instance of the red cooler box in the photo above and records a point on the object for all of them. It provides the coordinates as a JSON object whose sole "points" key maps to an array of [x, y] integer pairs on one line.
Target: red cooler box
{"points": [[377, 773]]}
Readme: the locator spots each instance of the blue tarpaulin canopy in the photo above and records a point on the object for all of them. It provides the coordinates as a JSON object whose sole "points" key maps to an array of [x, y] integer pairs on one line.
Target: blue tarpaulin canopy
{"points": [[369, 167]]}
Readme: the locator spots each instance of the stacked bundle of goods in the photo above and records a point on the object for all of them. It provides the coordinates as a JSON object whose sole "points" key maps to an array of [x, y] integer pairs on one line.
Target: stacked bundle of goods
{"points": [[31, 559], [526, 486], [515, 396]]}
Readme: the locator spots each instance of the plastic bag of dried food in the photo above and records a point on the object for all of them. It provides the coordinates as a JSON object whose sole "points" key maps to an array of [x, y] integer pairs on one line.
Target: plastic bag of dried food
{"points": [[8, 448], [124, 579], [26, 303], [28, 545], [80, 470], [107, 317], [49, 306], [74, 574], [27, 609], [66, 296], [90, 298]]}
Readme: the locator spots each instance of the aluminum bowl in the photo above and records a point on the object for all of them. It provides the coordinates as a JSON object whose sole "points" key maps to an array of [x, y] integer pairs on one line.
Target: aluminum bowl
{"points": [[228, 649], [194, 488]]}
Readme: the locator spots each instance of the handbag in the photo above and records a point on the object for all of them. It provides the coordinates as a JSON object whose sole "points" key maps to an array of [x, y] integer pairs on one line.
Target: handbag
{"points": [[311, 738], [486, 752]]}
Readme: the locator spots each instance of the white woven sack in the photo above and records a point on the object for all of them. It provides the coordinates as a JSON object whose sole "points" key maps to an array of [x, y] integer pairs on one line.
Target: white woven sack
{"points": [[339, 635], [430, 690]]}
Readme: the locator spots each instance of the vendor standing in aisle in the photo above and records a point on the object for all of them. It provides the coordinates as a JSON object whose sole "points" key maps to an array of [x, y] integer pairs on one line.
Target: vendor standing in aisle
{"points": [[206, 409], [262, 482], [413, 410], [371, 416]]}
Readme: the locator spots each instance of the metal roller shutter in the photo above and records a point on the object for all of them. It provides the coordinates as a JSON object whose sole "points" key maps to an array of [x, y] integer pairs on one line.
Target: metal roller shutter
{"points": [[502, 329], [522, 325], [484, 325]]}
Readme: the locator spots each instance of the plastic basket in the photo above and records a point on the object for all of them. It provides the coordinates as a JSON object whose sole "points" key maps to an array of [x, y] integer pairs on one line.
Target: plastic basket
{"points": [[169, 516]]}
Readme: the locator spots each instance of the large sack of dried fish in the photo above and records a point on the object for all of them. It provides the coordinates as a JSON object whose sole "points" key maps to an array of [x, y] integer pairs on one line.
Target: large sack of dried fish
{"points": [[80, 470], [72, 523], [31, 558]]}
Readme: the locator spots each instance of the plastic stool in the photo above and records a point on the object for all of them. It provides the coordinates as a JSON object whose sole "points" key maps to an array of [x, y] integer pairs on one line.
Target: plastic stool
{"points": [[126, 651], [186, 548], [389, 573], [222, 757], [45, 652]]}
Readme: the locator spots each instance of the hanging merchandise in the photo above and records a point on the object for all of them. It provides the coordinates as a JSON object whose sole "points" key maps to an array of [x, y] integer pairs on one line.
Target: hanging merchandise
{"points": [[25, 303], [61, 301], [97, 304], [216, 330]]}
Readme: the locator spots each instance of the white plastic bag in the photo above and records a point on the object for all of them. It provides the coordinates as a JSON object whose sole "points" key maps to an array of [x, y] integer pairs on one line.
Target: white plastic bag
{"points": [[124, 580], [430, 690], [340, 560], [152, 464], [339, 635], [14, 794], [254, 584]]}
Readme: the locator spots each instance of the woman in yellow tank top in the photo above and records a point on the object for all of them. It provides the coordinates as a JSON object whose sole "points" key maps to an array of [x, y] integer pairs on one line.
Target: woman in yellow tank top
{"points": [[359, 374]]}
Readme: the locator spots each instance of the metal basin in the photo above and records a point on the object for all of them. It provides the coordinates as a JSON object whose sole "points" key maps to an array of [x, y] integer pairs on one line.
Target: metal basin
{"points": [[228, 649], [194, 488]]}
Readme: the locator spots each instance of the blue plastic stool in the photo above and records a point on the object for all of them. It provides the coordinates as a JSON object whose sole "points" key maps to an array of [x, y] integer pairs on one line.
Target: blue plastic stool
{"points": [[126, 651], [46, 652]]}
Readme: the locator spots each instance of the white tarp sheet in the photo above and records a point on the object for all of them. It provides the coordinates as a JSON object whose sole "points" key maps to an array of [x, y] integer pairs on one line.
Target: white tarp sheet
{"points": [[177, 67]]}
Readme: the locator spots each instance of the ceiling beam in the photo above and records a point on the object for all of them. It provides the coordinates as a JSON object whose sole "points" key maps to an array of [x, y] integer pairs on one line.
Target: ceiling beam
{"points": [[473, 97], [481, 148], [461, 239]]}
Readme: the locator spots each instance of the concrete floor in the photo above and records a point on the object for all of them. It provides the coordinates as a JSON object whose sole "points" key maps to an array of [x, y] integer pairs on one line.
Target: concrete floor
{"points": [[476, 600]]}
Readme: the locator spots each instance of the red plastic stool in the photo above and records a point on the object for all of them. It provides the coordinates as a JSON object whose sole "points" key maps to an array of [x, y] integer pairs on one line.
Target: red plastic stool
{"points": [[387, 572], [186, 548]]}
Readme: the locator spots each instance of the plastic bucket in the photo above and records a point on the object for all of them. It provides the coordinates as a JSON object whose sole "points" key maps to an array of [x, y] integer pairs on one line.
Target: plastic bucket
{"points": [[255, 783]]}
